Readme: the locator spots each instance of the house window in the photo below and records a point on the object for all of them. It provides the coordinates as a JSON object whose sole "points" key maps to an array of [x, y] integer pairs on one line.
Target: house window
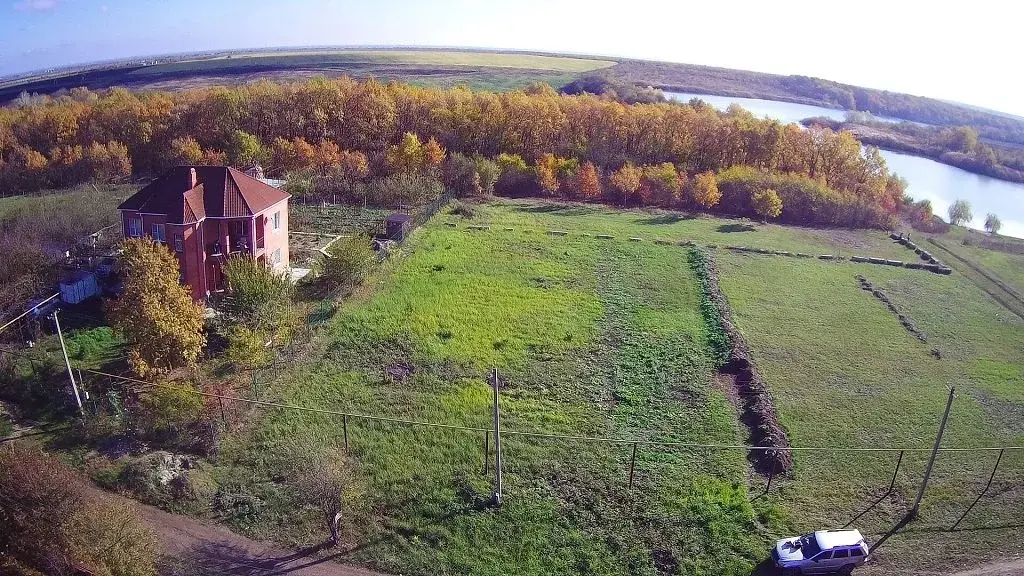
{"points": [[179, 243], [277, 221], [134, 227], [158, 233]]}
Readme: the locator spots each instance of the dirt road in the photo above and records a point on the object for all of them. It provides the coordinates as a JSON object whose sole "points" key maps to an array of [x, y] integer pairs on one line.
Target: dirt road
{"points": [[194, 547], [1011, 568]]}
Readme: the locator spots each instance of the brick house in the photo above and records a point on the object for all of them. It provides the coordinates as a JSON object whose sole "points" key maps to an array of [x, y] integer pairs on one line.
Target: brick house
{"points": [[205, 214]]}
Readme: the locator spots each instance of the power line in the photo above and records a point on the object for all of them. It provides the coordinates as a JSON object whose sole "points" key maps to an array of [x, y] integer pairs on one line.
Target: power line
{"points": [[669, 443], [27, 312]]}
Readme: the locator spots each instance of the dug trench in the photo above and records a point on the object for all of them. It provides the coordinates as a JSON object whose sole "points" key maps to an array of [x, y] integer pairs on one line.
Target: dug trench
{"points": [[738, 374]]}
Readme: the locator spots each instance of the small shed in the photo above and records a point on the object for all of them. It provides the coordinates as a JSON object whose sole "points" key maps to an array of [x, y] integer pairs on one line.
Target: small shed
{"points": [[78, 287], [397, 226]]}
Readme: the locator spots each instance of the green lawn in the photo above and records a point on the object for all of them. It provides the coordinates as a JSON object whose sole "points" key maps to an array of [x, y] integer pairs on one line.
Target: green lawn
{"points": [[845, 372], [601, 339], [604, 337]]}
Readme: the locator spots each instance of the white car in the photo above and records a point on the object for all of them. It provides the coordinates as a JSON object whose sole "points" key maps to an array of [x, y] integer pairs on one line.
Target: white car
{"points": [[821, 552]]}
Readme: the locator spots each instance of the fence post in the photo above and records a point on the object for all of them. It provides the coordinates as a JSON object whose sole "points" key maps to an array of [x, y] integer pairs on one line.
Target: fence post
{"points": [[223, 416], [632, 466], [935, 451], [497, 440]]}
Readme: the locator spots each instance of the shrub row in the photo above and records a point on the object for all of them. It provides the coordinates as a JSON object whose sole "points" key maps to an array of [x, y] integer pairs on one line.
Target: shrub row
{"points": [[757, 404], [866, 285]]}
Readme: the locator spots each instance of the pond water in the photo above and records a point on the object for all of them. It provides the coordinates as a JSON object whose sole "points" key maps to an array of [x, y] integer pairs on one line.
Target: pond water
{"points": [[939, 183]]}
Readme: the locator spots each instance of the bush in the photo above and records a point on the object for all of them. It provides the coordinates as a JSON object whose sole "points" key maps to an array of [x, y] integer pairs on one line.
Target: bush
{"points": [[404, 189], [166, 413], [348, 261], [52, 525], [259, 298]]}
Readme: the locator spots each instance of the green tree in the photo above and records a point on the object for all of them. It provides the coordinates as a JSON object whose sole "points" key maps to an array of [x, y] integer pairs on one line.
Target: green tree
{"points": [[993, 224], [246, 150], [248, 348], [155, 313], [488, 172], [348, 261], [258, 297], [960, 213], [766, 203], [964, 139]]}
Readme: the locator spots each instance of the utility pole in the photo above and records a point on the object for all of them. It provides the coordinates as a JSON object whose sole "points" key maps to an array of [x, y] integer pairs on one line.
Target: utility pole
{"points": [[935, 452], [67, 362], [497, 441]]}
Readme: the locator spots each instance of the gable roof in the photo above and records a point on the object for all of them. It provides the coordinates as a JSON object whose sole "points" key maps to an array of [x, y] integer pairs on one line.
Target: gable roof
{"points": [[219, 192]]}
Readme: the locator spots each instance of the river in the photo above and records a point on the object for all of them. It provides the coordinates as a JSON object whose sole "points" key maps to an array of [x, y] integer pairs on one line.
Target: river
{"points": [[938, 182]]}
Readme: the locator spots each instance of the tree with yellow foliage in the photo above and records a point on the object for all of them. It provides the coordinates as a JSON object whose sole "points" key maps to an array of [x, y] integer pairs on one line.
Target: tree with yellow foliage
{"points": [[588, 182], [546, 170], [155, 314], [766, 203], [705, 190], [626, 180]]}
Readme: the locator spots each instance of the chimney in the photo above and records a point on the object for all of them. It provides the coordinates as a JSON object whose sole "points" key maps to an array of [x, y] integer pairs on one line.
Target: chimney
{"points": [[193, 180]]}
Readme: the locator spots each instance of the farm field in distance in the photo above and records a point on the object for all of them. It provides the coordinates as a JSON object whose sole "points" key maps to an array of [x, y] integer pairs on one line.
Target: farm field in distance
{"points": [[605, 338]]}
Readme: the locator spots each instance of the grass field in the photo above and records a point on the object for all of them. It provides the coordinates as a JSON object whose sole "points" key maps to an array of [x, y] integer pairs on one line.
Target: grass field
{"points": [[605, 338], [404, 57], [600, 340]]}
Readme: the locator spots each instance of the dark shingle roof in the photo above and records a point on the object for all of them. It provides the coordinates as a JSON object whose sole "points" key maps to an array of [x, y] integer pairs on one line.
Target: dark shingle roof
{"points": [[220, 191]]}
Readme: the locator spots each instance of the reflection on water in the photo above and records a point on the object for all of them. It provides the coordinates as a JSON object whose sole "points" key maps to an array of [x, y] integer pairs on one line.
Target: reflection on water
{"points": [[940, 183]]}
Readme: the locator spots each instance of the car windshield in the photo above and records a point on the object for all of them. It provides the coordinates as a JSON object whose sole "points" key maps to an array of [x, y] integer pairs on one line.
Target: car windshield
{"points": [[809, 546]]}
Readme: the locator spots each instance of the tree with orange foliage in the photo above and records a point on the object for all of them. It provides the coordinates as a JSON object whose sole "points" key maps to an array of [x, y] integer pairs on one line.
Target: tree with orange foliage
{"points": [[588, 182], [546, 171], [626, 180], [660, 185], [433, 155]]}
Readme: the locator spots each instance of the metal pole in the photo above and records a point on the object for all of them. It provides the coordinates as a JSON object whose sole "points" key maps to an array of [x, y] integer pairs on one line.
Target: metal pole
{"points": [[632, 466], [935, 451], [497, 441], [67, 362], [487, 451]]}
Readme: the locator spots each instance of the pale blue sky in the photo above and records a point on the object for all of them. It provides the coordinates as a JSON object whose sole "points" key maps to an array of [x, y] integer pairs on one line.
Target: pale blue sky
{"points": [[967, 54]]}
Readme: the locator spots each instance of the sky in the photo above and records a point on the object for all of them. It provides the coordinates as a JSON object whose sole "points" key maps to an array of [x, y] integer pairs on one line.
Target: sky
{"points": [[964, 53]]}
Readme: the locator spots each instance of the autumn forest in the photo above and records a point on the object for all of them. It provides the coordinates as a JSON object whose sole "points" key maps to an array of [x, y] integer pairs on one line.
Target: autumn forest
{"points": [[387, 143]]}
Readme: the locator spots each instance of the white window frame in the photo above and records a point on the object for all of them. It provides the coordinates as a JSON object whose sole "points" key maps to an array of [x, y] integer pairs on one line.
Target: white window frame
{"points": [[158, 233], [135, 227], [276, 221], [179, 243]]}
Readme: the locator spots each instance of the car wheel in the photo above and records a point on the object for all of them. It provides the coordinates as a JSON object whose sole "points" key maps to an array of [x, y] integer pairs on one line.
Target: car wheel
{"points": [[848, 569]]}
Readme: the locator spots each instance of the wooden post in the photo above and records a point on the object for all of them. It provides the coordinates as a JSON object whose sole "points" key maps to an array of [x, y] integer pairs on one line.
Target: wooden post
{"points": [[255, 393], [497, 440], [223, 416], [632, 466], [935, 451], [67, 362], [487, 451], [344, 429]]}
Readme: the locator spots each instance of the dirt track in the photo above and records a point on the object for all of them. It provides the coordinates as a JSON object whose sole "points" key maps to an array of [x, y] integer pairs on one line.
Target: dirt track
{"points": [[194, 547], [1011, 568]]}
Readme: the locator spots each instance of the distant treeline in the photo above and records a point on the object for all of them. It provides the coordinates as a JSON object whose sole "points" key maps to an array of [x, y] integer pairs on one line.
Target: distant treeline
{"points": [[959, 146], [807, 90], [540, 140]]}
